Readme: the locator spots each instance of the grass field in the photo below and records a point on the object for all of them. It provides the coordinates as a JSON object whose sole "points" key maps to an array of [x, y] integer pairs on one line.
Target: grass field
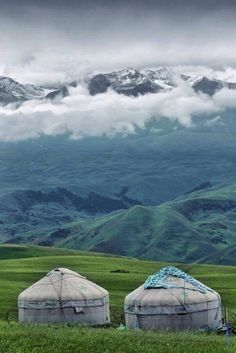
{"points": [[9, 251], [13, 251], [18, 273], [63, 339]]}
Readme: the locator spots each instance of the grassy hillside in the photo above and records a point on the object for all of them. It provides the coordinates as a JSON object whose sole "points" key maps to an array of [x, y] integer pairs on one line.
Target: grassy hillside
{"points": [[17, 251], [118, 275], [225, 257], [198, 227], [14, 251]]}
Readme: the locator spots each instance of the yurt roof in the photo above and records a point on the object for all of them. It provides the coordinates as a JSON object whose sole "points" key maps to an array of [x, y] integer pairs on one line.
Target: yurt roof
{"points": [[172, 277], [63, 284], [171, 287]]}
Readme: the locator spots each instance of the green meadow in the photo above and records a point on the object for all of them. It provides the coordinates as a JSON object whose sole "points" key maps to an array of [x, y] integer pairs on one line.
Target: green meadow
{"points": [[119, 275], [16, 338]]}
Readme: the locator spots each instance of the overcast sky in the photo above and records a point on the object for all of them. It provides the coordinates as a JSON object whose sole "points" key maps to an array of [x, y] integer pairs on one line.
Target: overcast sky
{"points": [[60, 39]]}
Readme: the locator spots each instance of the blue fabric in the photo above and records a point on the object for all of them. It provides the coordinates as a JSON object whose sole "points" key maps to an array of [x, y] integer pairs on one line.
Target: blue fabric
{"points": [[160, 279]]}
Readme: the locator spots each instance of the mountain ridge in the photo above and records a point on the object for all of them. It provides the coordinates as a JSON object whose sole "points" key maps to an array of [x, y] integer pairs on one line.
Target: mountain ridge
{"points": [[129, 82], [191, 228]]}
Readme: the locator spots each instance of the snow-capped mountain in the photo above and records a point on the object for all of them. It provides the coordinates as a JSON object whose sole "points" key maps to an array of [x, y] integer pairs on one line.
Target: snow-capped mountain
{"points": [[61, 92], [133, 82], [129, 82], [163, 77], [13, 91]]}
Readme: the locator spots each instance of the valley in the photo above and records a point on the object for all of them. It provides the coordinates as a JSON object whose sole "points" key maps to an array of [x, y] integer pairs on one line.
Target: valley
{"points": [[164, 193]]}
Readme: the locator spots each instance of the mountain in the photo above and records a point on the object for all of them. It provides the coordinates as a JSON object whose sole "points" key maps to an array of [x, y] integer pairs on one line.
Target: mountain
{"points": [[163, 76], [132, 82], [81, 193], [6, 98], [210, 85], [198, 227], [129, 82], [24, 211], [58, 93], [224, 256], [193, 228], [13, 91]]}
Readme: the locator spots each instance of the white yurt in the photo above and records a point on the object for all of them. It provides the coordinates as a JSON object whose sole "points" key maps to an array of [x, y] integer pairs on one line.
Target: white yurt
{"points": [[171, 299], [64, 296]]}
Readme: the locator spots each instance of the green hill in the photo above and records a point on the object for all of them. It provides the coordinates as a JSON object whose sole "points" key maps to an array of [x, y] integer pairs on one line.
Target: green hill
{"points": [[198, 227], [15, 251], [225, 256]]}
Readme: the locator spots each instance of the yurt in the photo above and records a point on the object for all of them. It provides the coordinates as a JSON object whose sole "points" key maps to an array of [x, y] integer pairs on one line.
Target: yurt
{"points": [[171, 299], [64, 296]]}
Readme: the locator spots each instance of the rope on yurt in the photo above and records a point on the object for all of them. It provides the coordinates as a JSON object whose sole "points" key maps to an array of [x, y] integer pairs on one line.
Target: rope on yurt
{"points": [[59, 296], [60, 299], [208, 312], [184, 302]]}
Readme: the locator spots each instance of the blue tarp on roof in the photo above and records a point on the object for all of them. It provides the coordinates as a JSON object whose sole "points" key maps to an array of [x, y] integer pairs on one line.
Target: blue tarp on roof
{"points": [[160, 279]]}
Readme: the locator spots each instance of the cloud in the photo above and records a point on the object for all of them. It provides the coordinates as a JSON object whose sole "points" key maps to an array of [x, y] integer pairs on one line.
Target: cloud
{"points": [[81, 114], [51, 40], [225, 98]]}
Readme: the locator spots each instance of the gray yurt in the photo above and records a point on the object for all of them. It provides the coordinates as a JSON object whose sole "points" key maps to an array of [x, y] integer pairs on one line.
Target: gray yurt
{"points": [[64, 296], [171, 299]]}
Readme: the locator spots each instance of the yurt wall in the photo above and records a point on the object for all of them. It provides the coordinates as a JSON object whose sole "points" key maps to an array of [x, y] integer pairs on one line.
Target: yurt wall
{"points": [[171, 299], [64, 296]]}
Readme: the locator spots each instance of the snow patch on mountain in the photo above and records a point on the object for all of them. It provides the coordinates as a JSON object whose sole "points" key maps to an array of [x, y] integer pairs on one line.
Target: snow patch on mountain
{"points": [[128, 82], [21, 91]]}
